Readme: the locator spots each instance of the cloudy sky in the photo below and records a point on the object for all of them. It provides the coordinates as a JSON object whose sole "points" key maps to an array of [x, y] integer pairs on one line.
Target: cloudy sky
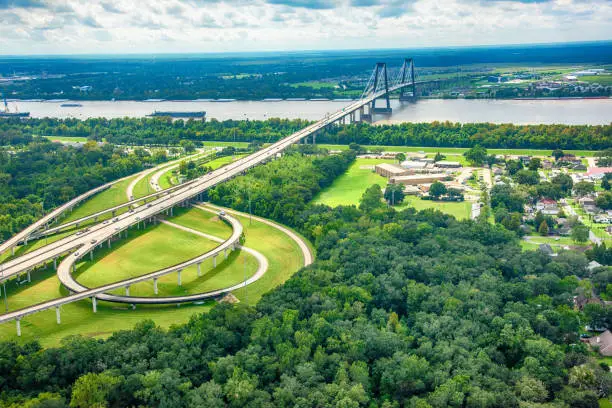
{"points": [[144, 26]]}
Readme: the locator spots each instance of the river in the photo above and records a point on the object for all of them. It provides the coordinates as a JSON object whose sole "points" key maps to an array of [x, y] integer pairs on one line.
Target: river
{"points": [[567, 111]]}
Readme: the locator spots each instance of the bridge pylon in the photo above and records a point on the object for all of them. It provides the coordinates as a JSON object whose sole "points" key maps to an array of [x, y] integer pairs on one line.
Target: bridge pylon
{"points": [[407, 72], [381, 82]]}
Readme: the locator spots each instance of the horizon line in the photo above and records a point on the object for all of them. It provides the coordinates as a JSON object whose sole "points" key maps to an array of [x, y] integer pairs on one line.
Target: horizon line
{"points": [[295, 51]]}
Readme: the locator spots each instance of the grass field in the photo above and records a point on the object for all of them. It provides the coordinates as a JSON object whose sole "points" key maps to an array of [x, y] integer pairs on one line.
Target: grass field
{"points": [[349, 187], [213, 143], [460, 210], [160, 247], [283, 255], [535, 241], [461, 150], [110, 197], [315, 84], [66, 139]]}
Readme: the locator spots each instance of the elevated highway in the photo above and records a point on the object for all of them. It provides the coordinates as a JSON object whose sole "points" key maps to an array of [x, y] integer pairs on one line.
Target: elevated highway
{"points": [[179, 195]]}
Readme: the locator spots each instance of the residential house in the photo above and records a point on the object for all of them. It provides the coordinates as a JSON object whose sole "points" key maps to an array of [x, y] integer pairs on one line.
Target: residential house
{"points": [[547, 207], [603, 343]]}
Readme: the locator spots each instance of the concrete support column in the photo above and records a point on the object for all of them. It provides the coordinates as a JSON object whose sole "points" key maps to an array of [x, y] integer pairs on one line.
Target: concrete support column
{"points": [[12, 251], [55, 263], [155, 286], [91, 255], [225, 253], [18, 321], [29, 278], [57, 315], [113, 213], [109, 244], [199, 269], [127, 291], [94, 302], [73, 267], [180, 283], [214, 261], [171, 211]]}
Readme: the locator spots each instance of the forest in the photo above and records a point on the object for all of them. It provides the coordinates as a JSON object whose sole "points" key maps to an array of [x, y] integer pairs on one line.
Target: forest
{"points": [[44, 175], [163, 131], [400, 309]]}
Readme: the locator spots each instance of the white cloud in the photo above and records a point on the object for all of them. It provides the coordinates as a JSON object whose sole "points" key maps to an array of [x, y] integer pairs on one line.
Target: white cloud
{"points": [[49, 26]]}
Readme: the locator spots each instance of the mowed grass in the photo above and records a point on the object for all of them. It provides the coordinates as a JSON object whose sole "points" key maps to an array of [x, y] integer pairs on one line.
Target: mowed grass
{"points": [[461, 150], [66, 138], [213, 143], [349, 187], [460, 210], [283, 255], [161, 247], [108, 198]]}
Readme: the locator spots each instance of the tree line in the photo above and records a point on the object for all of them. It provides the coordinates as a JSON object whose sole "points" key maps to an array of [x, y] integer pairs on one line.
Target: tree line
{"points": [[163, 131]]}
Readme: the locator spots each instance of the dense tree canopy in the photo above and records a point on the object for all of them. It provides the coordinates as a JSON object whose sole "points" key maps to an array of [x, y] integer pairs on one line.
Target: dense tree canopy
{"points": [[400, 309]]}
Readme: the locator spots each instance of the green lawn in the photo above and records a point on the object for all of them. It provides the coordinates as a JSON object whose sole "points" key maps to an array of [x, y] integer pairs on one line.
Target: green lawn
{"points": [[213, 143], [605, 80], [160, 247], [315, 84], [108, 198], [460, 210], [461, 150], [66, 139], [535, 241], [283, 255], [349, 187]]}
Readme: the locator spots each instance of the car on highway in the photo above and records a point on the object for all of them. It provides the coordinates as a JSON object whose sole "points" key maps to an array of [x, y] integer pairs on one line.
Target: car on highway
{"points": [[93, 241], [222, 213], [76, 254], [116, 219]]}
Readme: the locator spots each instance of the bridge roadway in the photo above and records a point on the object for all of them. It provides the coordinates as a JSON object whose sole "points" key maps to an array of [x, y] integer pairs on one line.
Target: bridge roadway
{"points": [[181, 194], [98, 293]]}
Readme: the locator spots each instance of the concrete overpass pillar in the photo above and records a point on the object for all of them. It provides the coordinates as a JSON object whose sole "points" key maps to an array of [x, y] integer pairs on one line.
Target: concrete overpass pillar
{"points": [[29, 278], [225, 253], [180, 283], [214, 261], [74, 267], [18, 321], [57, 315], [109, 244], [12, 251], [199, 269], [91, 255], [171, 211], [55, 263], [155, 286], [114, 212], [94, 302], [127, 291]]}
